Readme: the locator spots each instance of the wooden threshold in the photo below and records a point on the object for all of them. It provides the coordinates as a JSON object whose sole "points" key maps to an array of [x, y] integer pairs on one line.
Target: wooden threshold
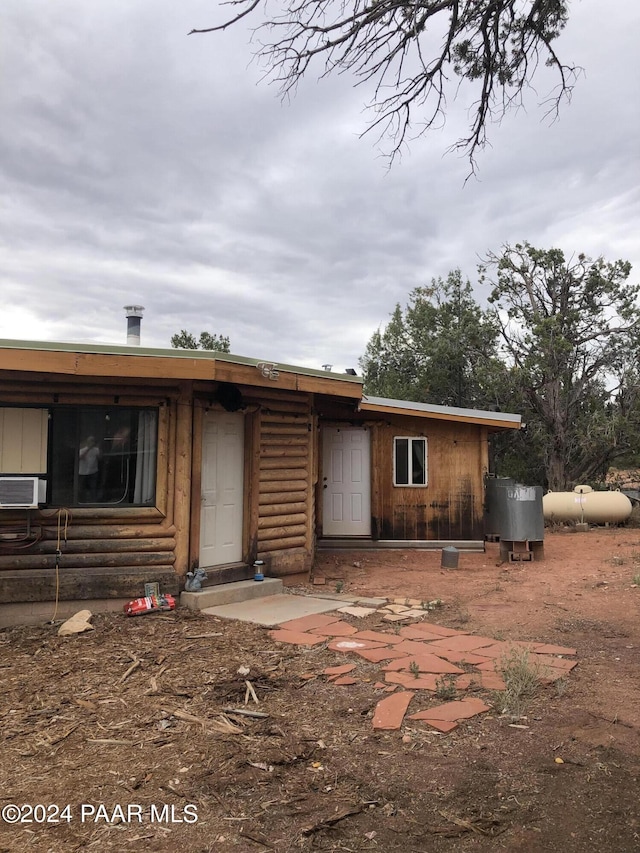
{"points": [[228, 573]]}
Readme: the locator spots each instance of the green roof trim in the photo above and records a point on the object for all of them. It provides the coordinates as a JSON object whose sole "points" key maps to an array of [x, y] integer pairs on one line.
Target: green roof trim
{"points": [[151, 352]]}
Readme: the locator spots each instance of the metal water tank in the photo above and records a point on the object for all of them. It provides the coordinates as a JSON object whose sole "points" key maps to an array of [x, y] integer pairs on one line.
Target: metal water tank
{"points": [[492, 504], [519, 511]]}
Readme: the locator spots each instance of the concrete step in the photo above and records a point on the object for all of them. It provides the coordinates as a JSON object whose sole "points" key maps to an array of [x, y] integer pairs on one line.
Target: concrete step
{"points": [[230, 593]]}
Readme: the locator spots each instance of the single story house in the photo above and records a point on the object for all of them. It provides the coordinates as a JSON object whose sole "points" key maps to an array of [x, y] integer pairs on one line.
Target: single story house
{"points": [[121, 465]]}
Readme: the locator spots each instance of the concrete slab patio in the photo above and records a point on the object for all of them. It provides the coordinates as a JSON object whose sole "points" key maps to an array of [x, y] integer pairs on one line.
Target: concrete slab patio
{"points": [[274, 609]]}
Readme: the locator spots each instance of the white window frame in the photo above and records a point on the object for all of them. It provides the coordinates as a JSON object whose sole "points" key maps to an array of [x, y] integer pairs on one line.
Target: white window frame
{"points": [[410, 439]]}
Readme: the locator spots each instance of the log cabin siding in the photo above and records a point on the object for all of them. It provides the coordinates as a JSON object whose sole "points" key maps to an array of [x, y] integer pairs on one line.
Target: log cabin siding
{"points": [[285, 481]]}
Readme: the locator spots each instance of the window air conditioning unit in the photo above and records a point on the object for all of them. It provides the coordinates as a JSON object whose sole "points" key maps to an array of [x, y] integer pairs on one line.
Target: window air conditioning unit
{"points": [[18, 492]]}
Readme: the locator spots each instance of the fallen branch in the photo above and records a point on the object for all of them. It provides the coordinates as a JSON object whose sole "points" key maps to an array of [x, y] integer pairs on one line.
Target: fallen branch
{"points": [[250, 692], [349, 811], [110, 740], [137, 662], [245, 712], [256, 839], [222, 724], [66, 734], [480, 826]]}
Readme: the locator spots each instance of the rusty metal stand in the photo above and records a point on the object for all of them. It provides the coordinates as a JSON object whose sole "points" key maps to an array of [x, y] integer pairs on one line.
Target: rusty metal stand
{"points": [[520, 552]]}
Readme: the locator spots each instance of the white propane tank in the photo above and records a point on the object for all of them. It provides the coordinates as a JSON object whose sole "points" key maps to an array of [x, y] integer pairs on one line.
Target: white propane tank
{"points": [[585, 505]]}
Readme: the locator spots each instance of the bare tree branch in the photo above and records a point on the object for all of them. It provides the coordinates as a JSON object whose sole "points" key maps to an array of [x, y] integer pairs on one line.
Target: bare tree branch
{"points": [[411, 50]]}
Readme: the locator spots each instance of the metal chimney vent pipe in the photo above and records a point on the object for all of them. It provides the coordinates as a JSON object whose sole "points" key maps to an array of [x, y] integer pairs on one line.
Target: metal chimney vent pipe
{"points": [[134, 319]]}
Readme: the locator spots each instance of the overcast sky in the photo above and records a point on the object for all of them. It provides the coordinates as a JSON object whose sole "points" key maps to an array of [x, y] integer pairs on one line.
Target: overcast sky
{"points": [[142, 165]]}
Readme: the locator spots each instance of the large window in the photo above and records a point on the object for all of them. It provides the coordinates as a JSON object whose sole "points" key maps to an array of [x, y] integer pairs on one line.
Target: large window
{"points": [[102, 456], [409, 461]]}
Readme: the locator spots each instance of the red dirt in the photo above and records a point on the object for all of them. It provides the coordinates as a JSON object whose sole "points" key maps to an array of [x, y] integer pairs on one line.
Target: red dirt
{"points": [[314, 774]]}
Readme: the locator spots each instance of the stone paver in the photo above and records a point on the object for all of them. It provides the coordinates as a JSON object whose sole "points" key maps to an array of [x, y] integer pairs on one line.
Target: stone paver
{"points": [[417, 656], [547, 649], [378, 655], [296, 638], [371, 602], [504, 649], [418, 632], [358, 612], [488, 665], [486, 680], [351, 645], [415, 647], [336, 629], [378, 637], [553, 663], [425, 663], [462, 657], [462, 643], [440, 630], [463, 709], [339, 670], [426, 681], [390, 712], [306, 623]]}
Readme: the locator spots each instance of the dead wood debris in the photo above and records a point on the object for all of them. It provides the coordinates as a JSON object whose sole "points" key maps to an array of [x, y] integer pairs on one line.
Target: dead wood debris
{"points": [[331, 820], [488, 826]]}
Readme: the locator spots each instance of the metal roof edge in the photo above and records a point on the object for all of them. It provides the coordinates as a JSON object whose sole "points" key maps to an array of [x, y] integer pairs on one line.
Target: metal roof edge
{"points": [[157, 352], [508, 420]]}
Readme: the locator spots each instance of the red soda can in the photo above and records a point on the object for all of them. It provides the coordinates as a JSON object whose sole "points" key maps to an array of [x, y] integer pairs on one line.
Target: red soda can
{"points": [[149, 604]]}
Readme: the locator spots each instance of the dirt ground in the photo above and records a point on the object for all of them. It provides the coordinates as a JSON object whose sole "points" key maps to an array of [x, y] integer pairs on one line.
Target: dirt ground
{"points": [[132, 715]]}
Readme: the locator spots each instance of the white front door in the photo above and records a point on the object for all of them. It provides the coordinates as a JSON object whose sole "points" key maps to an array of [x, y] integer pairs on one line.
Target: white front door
{"points": [[347, 482], [222, 488]]}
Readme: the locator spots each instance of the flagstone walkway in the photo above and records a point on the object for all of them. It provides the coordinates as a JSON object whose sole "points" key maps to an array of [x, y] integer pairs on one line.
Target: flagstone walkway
{"points": [[418, 658]]}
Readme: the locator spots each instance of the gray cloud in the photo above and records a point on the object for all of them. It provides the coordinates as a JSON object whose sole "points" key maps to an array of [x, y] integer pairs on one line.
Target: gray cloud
{"points": [[139, 164]]}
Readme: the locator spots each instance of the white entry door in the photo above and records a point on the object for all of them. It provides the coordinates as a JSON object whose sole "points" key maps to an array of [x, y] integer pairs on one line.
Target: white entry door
{"points": [[347, 482], [222, 488]]}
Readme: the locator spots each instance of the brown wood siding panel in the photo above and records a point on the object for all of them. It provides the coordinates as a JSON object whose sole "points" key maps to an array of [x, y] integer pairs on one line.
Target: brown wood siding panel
{"points": [[251, 494], [107, 365], [299, 461], [196, 485], [78, 584], [315, 474], [271, 546], [277, 486], [78, 561], [282, 509], [281, 473], [97, 546], [271, 521], [182, 488], [268, 499], [450, 506], [111, 531], [276, 452], [284, 475]]}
